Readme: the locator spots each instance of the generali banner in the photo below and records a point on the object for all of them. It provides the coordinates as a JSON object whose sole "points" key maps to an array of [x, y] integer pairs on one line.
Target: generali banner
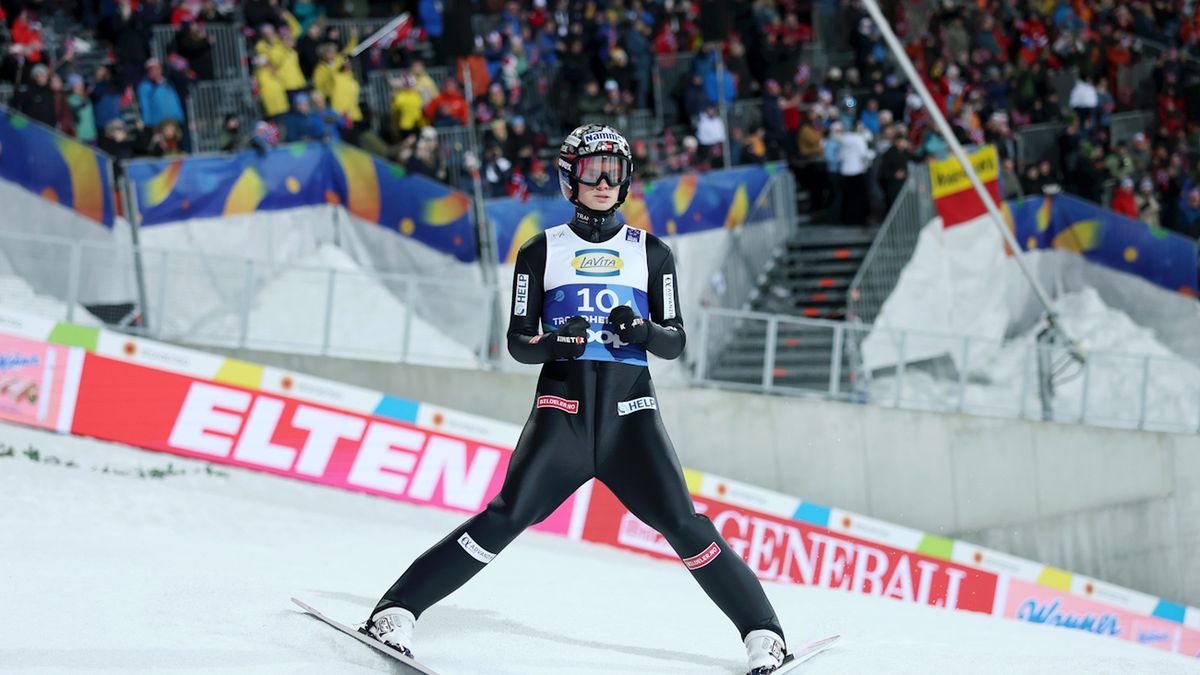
{"points": [[794, 552]]}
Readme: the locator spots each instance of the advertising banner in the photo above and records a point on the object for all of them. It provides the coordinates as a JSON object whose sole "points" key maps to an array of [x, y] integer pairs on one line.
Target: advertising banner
{"points": [[56, 167], [231, 425], [953, 194], [790, 551], [1037, 604], [31, 381]]}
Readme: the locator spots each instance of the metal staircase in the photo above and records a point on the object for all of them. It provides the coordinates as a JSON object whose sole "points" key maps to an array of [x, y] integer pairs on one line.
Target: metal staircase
{"points": [[808, 278]]}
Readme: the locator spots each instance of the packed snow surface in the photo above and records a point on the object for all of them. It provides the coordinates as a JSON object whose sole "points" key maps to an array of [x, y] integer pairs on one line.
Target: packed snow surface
{"points": [[120, 560]]}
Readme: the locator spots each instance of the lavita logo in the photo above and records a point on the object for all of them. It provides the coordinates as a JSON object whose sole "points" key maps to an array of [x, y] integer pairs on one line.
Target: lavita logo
{"points": [[597, 262]]}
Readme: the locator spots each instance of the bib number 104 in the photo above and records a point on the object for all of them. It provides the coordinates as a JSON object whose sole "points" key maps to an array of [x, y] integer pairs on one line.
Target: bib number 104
{"points": [[606, 300]]}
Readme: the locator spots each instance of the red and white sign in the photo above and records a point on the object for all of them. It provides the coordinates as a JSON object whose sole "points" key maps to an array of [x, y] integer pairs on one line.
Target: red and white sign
{"points": [[790, 551], [1033, 603], [563, 404], [31, 381], [706, 556], [175, 413]]}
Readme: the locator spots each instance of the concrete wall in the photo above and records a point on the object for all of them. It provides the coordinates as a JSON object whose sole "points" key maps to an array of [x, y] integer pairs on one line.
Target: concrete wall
{"points": [[1121, 506]]}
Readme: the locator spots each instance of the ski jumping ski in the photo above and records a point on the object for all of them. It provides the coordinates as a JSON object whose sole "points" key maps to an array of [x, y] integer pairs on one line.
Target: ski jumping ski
{"points": [[411, 666], [790, 663]]}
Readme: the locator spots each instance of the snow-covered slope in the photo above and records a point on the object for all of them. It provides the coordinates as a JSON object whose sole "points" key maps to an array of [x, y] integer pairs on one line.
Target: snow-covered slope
{"points": [[119, 560]]}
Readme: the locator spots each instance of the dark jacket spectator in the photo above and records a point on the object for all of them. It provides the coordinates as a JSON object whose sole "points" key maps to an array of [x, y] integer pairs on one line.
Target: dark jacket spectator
{"points": [[36, 100], [195, 44]]}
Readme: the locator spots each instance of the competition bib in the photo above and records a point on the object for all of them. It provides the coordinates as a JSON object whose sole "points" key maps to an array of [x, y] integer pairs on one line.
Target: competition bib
{"points": [[589, 280]]}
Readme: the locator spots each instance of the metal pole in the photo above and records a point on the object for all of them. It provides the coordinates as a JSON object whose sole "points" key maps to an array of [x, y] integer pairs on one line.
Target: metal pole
{"points": [[1087, 378], [702, 359], [768, 374], [722, 107], [943, 126], [488, 256], [900, 367], [1145, 392], [835, 365], [134, 217], [247, 294], [328, 328], [962, 373], [410, 291], [163, 277], [73, 279]]}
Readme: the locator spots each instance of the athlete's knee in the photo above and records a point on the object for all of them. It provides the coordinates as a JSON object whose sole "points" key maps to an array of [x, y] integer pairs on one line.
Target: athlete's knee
{"points": [[512, 519]]}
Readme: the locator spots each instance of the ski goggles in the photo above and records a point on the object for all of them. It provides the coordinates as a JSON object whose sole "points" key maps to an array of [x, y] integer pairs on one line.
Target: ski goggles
{"points": [[614, 169]]}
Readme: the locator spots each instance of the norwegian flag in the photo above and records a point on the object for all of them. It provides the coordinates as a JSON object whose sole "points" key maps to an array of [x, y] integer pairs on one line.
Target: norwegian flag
{"points": [[397, 30], [518, 187], [399, 33]]}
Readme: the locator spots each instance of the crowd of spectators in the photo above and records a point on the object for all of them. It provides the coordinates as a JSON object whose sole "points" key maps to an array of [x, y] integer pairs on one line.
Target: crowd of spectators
{"points": [[538, 67]]}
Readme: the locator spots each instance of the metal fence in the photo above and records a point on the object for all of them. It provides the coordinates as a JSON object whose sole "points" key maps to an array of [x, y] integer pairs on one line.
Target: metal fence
{"points": [[971, 375], [1036, 142], [1124, 126], [226, 301], [208, 105], [453, 144], [744, 262], [228, 51], [893, 247]]}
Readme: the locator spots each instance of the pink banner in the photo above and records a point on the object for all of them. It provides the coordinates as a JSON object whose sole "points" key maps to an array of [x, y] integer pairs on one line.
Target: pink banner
{"points": [[1037, 604], [221, 423], [31, 381]]}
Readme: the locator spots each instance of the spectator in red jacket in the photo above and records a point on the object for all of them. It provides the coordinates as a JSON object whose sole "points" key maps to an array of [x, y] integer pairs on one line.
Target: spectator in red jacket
{"points": [[1123, 201], [448, 108]]}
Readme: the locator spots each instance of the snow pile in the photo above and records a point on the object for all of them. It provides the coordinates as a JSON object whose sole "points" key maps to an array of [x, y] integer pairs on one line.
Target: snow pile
{"points": [[16, 294], [176, 564], [1002, 378], [368, 321]]}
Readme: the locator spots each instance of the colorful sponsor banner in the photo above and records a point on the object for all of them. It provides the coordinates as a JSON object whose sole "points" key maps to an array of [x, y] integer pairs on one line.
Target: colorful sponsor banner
{"points": [[953, 194], [668, 206], [1066, 223], [32, 382], [1042, 605], [56, 167], [790, 551], [168, 412], [306, 174]]}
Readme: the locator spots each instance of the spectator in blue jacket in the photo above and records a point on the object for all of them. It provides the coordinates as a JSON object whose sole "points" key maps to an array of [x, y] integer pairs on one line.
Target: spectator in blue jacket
{"points": [[157, 97]]}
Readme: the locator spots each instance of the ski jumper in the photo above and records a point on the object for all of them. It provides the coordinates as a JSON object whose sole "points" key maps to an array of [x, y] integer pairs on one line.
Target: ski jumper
{"points": [[595, 416]]}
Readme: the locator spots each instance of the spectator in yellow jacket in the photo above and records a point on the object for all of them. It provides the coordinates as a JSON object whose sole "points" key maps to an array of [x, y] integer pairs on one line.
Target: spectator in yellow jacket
{"points": [[407, 115], [330, 63], [423, 83], [344, 100], [270, 88]]}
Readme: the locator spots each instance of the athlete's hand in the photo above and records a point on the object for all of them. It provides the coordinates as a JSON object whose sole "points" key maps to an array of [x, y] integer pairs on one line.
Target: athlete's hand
{"points": [[569, 341], [628, 325]]}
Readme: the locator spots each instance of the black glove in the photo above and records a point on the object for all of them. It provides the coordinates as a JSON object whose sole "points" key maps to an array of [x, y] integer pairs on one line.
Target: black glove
{"points": [[628, 325], [569, 341]]}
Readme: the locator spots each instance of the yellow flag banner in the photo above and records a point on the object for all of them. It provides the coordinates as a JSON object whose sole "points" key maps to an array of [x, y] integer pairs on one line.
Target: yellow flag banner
{"points": [[955, 198]]}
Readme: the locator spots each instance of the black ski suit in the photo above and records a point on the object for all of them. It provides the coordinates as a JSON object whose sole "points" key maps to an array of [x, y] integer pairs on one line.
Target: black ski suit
{"points": [[558, 450]]}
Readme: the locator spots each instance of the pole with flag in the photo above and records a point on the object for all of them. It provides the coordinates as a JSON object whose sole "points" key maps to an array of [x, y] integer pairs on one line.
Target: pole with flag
{"points": [[392, 32]]}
